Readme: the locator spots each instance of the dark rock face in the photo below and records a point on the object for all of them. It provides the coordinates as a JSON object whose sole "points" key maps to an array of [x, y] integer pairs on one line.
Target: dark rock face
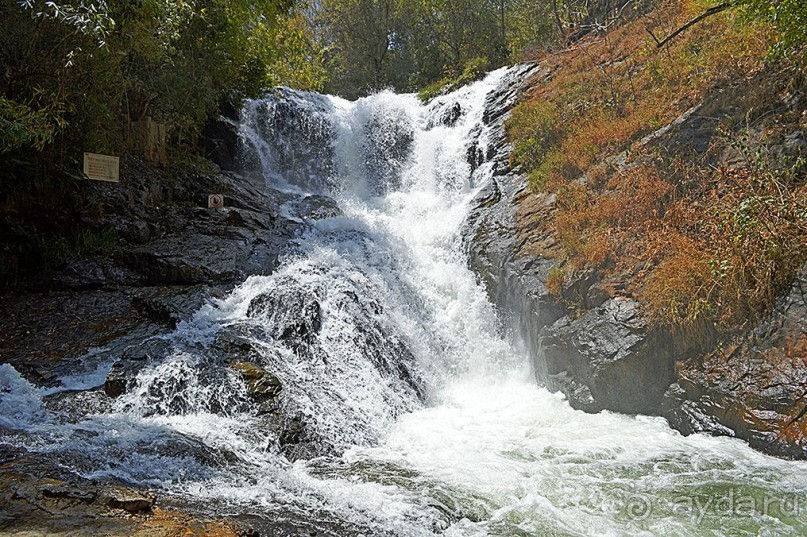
{"points": [[388, 137], [116, 381], [290, 315], [129, 500], [68, 505], [610, 358], [221, 143], [316, 207], [173, 257], [755, 386], [262, 385], [177, 240], [607, 356], [220, 139], [295, 127], [516, 283], [451, 115]]}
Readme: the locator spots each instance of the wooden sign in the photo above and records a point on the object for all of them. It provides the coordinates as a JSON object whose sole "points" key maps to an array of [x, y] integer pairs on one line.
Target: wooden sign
{"points": [[215, 201], [102, 167]]}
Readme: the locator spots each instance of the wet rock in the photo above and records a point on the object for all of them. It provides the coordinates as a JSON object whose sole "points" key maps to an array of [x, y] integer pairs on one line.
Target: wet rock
{"points": [[296, 127], [75, 405], [236, 346], [220, 141], [91, 274], [754, 386], [296, 440], [292, 315], [498, 103], [9, 453], [130, 500], [170, 305], [448, 118], [261, 384], [133, 357], [189, 260], [577, 393], [116, 380], [389, 135], [451, 115], [70, 505], [515, 281], [42, 334], [65, 490], [316, 207], [604, 354], [617, 362]]}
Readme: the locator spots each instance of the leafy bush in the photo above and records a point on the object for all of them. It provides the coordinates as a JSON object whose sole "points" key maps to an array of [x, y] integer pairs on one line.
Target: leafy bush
{"points": [[21, 126], [474, 70], [789, 17]]}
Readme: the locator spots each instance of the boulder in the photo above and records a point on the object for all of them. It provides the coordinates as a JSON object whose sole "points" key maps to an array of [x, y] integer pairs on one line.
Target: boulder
{"points": [[291, 314], [316, 207], [261, 384], [609, 358], [116, 380], [130, 500]]}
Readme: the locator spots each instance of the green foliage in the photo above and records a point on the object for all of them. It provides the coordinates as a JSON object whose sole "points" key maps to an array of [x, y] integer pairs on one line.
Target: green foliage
{"points": [[789, 17], [55, 251], [21, 126], [406, 45], [79, 71], [474, 70], [412, 44], [532, 26], [535, 127]]}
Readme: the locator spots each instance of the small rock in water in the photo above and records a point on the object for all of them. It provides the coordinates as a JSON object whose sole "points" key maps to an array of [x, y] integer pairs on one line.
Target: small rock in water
{"points": [[115, 383], [130, 500], [261, 384], [317, 207]]}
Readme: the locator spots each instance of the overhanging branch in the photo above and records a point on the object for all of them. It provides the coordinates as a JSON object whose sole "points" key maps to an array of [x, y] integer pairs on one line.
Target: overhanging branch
{"points": [[708, 13]]}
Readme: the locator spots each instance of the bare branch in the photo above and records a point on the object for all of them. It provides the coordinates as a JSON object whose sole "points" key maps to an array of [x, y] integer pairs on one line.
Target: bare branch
{"points": [[708, 13]]}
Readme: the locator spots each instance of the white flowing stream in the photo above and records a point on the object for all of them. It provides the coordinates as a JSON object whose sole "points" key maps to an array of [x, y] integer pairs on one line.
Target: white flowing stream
{"points": [[467, 444]]}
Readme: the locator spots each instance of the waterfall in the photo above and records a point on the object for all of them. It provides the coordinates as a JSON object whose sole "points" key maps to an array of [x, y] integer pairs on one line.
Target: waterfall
{"points": [[395, 402]]}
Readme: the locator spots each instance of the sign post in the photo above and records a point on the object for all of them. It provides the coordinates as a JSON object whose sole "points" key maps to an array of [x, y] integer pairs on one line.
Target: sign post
{"points": [[215, 201], [102, 167]]}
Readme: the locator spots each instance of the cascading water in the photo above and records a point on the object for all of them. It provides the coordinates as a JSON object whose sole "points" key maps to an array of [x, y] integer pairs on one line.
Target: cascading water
{"points": [[405, 410]]}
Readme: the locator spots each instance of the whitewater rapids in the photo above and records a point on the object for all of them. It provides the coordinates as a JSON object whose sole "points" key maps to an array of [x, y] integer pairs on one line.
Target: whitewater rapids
{"points": [[465, 443]]}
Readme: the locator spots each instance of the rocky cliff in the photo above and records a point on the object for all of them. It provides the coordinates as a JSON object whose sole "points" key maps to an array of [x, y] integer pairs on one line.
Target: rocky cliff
{"points": [[594, 342], [173, 255]]}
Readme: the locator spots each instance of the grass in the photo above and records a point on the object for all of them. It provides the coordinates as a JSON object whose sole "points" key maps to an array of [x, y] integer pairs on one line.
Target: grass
{"points": [[55, 251], [697, 242], [607, 93]]}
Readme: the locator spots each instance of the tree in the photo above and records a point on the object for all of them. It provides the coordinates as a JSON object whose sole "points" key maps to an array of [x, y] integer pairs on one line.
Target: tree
{"points": [[83, 69], [407, 44], [364, 35]]}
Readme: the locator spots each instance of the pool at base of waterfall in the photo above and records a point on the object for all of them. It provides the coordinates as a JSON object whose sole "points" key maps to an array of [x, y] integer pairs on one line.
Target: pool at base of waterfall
{"points": [[368, 386]]}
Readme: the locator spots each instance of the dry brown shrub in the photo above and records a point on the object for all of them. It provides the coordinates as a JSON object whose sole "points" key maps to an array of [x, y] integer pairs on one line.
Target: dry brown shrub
{"points": [[679, 288]]}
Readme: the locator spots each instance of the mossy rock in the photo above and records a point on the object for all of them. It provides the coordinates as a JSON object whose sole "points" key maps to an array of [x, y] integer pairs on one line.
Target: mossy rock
{"points": [[261, 384]]}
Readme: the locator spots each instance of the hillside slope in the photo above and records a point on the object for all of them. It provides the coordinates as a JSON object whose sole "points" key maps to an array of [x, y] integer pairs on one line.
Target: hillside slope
{"points": [[657, 209]]}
